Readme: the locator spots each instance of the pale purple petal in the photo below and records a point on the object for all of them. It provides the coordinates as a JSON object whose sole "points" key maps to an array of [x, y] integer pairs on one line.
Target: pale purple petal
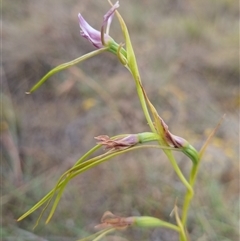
{"points": [[88, 32], [107, 19]]}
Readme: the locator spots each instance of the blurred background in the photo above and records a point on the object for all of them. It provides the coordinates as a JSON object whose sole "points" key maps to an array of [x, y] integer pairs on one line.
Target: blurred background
{"points": [[188, 55]]}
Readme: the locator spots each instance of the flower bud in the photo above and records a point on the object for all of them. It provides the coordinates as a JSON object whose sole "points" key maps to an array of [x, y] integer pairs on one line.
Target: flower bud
{"points": [[179, 142]]}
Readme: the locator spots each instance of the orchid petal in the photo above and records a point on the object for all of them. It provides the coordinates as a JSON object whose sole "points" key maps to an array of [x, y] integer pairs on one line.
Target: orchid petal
{"points": [[88, 32], [107, 19]]}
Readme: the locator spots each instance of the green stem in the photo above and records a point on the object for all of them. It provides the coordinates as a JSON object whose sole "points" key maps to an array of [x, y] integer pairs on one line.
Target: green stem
{"points": [[189, 195], [190, 192], [183, 237], [133, 68], [178, 171], [57, 199], [86, 155], [144, 107], [141, 97], [91, 237], [104, 234]]}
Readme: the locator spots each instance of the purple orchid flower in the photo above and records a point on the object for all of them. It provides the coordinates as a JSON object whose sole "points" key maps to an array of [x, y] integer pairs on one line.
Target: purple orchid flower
{"points": [[95, 36]]}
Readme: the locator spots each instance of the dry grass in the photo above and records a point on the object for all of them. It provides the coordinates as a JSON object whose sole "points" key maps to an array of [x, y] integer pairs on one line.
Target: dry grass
{"points": [[188, 57]]}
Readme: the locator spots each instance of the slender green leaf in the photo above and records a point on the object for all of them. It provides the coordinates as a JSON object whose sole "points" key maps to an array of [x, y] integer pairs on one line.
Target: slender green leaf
{"points": [[64, 66]]}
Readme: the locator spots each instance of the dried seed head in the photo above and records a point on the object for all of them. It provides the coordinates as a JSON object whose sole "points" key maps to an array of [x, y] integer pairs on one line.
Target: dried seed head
{"points": [[109, 220], [119, 143]]}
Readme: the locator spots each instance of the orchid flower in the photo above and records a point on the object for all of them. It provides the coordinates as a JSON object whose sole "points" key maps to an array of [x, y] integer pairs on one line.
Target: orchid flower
{"points": [[101, 39], [98, 38]]}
